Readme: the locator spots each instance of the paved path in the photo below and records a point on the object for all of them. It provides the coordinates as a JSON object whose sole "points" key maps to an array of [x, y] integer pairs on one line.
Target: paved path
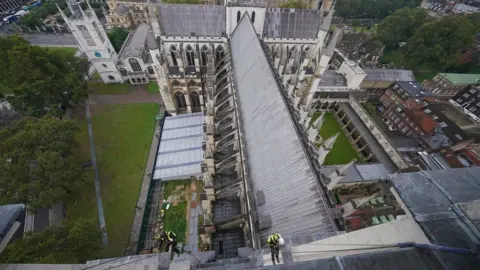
{"points": [[142, 198], [101, 216], [193, 227], [138, 96]]}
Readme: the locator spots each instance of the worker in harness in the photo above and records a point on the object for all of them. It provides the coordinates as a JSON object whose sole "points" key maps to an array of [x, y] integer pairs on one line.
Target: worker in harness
{"points": [[274, 242], [171, 239]]}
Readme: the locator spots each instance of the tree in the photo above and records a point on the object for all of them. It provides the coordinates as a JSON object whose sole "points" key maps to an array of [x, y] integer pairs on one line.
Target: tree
{"points": [[293, 4], [438, 44], [117, 36], [371, 9], [42, 80], [37, 166], [400, 26], [71, 242]]}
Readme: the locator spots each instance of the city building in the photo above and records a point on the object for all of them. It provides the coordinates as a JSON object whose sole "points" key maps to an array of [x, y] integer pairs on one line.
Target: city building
{"points": [[127, 13], [468, 100], [362, 48], [378, 80], [408, 108], [447, 85], [466, 9], [9, 5]]}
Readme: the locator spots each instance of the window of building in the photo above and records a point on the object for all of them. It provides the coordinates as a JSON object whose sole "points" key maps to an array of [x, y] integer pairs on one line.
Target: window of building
{"points": [[253, 17], [422, 133], [109, 51], [195, 99], [175, 83], [135, 65], [427, 111], [434, 117], [472, 91], [238, 16], [144, 80], [466, 95], [123, 72], [111, 78], [150, 70], [204, 55], [219, 53], [472, 109], [416, 128], [103, 65], [180, 98], [459, 100], [100, 33], [190, 56], [173, 49], [442, 124]]}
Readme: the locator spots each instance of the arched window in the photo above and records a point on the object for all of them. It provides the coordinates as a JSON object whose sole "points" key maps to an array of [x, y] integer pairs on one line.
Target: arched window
{"points": [[111, 78], [150, 70], [238, 16], [195, 99], [123, 72], [191, 83], [253, 17], [180, 98], [134, 64], [219, 53], [175, 83], [174, 57], [190, 56], [204, 55], [144, 80]]}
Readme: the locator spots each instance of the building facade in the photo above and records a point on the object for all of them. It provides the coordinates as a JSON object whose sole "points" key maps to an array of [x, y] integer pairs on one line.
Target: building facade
{"points": [[448, 85], [468, 100]]}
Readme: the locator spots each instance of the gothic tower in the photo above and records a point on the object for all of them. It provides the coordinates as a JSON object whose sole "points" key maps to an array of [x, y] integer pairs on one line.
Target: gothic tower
{"points": [[93, 41]]}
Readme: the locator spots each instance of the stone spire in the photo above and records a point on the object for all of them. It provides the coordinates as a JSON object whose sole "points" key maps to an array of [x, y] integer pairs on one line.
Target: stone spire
{"points": [[325, 148], [75, 9], [339, 172], [319, 122], [303, 116]]}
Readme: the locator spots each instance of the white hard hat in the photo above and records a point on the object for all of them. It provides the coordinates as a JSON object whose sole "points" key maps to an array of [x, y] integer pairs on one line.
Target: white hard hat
{"points": [[281, 241]]}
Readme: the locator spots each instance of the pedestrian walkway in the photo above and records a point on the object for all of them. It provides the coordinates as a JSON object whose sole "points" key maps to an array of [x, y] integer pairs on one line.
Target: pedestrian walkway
{"points": [[142, 198], [101, 216], [193, 226]]}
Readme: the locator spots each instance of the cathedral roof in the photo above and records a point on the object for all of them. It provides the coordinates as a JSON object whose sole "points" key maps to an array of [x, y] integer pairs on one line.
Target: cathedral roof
{"points": [[122, 9], [278, 165], [135, 43], [291, 23], [193, 20]]}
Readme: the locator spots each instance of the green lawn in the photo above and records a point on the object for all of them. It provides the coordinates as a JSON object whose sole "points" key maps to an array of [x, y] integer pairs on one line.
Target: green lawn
{"points": [[176, 220], [123, 135], [342, 152], [71, 50], [104, 89], [372, 30], [176, 215], [152, 88]]}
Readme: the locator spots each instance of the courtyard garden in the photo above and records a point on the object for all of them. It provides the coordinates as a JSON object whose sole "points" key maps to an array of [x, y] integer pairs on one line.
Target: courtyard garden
{"points": [[342, 152], [122, 135]]}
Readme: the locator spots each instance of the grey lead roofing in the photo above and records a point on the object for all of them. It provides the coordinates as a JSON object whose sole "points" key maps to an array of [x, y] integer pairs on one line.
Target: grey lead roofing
{"points": [[276, 162], [291, 23], [135, 43], [389, 75], [192, 20], [434, 199]]}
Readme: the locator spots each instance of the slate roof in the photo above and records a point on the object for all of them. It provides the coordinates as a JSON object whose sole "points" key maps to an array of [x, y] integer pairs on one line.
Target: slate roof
{"points": [[135, 43], [122, 9], [277, 163], [8, 215], [389, 75], [193, 20], [180, 153], [291, 23], [433, 198], [414, 89], [332, 79]]}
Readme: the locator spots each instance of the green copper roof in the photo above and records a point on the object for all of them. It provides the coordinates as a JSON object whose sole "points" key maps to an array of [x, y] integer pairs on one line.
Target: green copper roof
{"points": [[457, 78]]}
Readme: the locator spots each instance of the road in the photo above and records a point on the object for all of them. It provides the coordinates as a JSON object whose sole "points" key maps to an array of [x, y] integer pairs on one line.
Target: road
{"points": [[51, 39]]}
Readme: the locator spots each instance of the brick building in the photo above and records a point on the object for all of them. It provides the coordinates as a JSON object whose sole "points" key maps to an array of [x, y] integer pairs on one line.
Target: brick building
{"points": [[468, 100], [447, 85], [409, 109]]}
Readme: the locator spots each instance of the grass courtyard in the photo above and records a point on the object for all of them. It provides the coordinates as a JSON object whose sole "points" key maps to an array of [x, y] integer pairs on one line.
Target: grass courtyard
{"points": [[122, 135], [342, 152]]}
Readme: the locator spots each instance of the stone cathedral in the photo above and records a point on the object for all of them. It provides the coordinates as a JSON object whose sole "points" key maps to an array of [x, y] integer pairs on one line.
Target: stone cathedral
{"points": [[182, 48]]}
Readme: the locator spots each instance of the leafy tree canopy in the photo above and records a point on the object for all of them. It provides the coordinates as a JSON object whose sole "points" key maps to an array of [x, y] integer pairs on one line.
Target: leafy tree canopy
{"points": [[37, 167], [72, 242], [117, 36], [43, 81], [38, 14], [371, 8], [400, 26], [293, 4], [438, 44]]}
